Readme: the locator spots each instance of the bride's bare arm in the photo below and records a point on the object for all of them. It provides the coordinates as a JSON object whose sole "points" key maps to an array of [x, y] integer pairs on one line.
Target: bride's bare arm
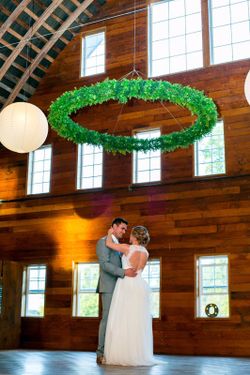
{"points": [[121, 248]]}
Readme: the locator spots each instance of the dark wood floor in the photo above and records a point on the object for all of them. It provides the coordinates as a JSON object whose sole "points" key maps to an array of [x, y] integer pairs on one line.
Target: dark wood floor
{"points": [[34, 362]]}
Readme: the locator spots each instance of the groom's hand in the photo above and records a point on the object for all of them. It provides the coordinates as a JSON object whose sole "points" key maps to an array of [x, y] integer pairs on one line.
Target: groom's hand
{"points": [[130, 272]]}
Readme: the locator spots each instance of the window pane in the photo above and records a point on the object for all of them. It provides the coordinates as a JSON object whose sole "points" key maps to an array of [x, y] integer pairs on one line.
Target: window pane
{"points": [[85, 298], [212, 285], [229, 30], [176, 63], [177, 45], [93, 54], [88, 276], [193, 23], [151, 274], [89, 167], [174, 31], [147, 166], [33, 296], [194, 42], [88, 305], [39, 170], [222, 36], [160, 49], [210, 153], [35, 305]]}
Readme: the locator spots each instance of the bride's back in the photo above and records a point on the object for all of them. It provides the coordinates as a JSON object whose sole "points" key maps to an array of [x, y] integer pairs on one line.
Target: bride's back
{"points": [[137, 257]]}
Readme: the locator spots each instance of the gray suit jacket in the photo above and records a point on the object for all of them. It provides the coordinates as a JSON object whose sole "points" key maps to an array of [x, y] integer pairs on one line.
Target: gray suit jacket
{"points": [[110, 267]]}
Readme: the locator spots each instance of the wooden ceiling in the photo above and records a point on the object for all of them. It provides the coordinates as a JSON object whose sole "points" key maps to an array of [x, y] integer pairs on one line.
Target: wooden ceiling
{"points": [[32, 34]]}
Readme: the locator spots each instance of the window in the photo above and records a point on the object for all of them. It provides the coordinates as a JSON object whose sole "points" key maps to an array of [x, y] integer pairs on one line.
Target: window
{"points": [[93, 54], [209, 153], [175, 36], [229, 30], [33, 292], [89, 167], [39, 170], [85, 298], [151, 274], [147, 166], [212, 285]]}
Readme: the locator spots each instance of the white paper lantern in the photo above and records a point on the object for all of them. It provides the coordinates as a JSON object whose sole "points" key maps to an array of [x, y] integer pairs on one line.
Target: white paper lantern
{"points": [[23, 127], [247, 87]]}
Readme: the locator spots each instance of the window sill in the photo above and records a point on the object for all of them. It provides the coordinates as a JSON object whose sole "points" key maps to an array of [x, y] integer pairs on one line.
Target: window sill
{"points": [[142, 184]]}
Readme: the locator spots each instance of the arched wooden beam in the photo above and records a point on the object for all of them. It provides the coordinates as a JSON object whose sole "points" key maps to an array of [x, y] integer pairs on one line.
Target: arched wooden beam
{"points": [[46, 48], [27, 36], [19, 9]]}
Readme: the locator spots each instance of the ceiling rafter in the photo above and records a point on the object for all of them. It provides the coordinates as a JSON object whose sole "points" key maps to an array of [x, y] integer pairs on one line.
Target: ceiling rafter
{"points": [[28, 36], [24, 25], [47, 26], [19, 9], [47, 47]]}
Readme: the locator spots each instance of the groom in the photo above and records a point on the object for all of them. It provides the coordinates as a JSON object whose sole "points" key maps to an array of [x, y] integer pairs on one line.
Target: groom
{"points": [[110, 270]]}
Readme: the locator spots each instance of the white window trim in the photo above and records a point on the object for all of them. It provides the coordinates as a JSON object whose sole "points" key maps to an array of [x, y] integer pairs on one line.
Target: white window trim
{"points": [[83, 53], [196, 161], [79, 172], [211, 39], [158, 260], [25, 294], [76, 293], [135, 162], [30, 174], [150, 43], [198, 286]]}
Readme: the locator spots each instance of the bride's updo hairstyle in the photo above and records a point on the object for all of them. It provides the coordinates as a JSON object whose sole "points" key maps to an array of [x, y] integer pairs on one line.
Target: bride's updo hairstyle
{"points": [[141, 234]]}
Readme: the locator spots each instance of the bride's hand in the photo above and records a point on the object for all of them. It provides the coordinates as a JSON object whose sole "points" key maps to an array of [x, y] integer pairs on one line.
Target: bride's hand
{"points": [[110, 231]]}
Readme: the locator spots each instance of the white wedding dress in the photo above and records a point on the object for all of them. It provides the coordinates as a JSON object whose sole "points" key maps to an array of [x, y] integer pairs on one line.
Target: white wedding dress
{"points": [[129, 338]]}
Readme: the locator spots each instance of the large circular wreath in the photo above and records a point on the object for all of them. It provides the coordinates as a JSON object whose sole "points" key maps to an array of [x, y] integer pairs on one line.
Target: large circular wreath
{"points": [[122, 91]]}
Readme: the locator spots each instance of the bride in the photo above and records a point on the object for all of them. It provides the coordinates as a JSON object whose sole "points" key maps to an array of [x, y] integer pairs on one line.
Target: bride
{"points": [[129, 338]]}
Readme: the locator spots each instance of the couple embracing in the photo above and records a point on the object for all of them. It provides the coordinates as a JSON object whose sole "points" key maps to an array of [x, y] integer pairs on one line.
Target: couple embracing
{"points": [[125, 331]]}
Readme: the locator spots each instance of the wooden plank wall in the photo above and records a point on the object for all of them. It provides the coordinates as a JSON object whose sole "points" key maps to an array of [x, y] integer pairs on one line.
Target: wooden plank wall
{"points": [[10, 317], [186, 216]]}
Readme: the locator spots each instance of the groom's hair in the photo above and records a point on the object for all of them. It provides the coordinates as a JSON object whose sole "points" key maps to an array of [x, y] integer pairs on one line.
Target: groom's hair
{"points": [[118, 221]]}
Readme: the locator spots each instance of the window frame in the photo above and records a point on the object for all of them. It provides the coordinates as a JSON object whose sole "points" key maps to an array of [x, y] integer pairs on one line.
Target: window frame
{"points": [[212, 175], [78, 178], [207, 41], [196, 288], [148, 183], [24, 295], [204, 32], [82, 74], [160, 286], [75, 292], [210, 36], [30, 172]]}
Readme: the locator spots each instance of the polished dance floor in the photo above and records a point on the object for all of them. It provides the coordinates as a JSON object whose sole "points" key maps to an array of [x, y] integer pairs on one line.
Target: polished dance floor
{"points": [[35, 362]]}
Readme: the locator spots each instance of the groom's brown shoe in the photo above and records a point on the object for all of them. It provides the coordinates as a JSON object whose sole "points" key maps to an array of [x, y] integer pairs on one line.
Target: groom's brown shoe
{"points": [[100, 359]]}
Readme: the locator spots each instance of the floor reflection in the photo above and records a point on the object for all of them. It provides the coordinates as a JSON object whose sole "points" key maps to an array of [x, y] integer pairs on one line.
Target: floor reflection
{"points": [[34, 362]]}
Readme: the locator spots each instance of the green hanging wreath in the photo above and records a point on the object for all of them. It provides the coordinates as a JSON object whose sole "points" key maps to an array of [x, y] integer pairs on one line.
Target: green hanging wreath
{"points": [[122, 91]]}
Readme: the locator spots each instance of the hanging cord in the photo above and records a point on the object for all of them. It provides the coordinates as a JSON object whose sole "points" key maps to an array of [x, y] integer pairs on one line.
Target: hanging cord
{"points": [[118, 118], [134, 72], [171, 114], [100, 20], [139, 74], [28, 53]]}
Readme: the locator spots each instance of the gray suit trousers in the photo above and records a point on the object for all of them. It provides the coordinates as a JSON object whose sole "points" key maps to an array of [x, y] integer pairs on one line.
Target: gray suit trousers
{"points": [[106, 301]]}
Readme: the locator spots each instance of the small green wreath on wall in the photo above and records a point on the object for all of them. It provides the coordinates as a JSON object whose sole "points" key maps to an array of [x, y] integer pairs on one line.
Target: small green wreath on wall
{"points": [[122, 91]]}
